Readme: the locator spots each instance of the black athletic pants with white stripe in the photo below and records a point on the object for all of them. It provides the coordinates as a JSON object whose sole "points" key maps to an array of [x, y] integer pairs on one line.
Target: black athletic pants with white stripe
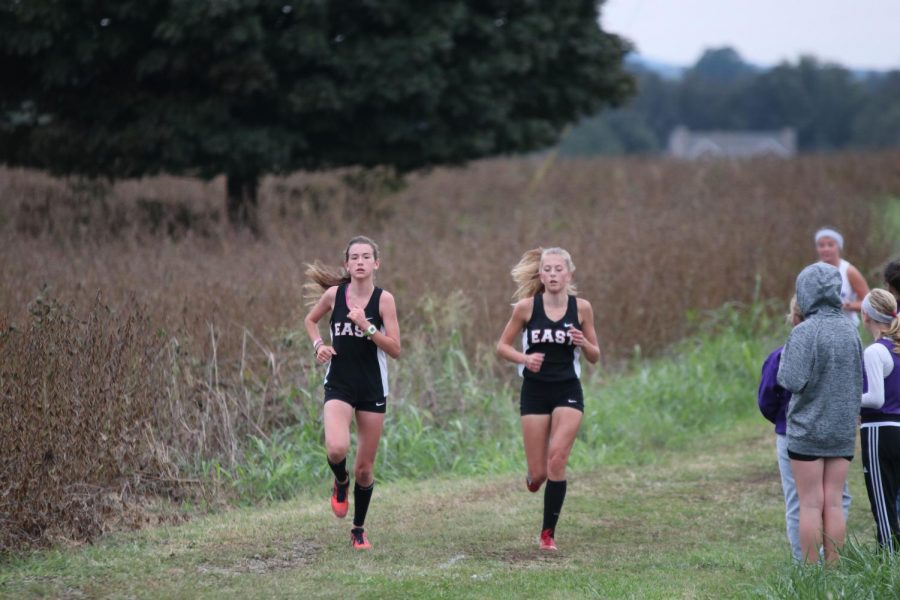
{"points": [[881, 466]]}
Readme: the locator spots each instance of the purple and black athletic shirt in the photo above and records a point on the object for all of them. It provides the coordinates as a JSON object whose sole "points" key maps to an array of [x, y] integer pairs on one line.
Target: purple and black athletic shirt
{"points": [[890, 410]]}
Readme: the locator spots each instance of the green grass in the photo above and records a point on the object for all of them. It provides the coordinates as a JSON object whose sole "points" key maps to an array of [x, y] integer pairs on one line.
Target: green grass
{"points": [[705, 521], [864, 573], [888, 216]]}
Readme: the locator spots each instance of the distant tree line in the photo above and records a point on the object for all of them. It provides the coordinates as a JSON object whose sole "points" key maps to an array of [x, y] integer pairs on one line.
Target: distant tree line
{"points": [[829, 106]]}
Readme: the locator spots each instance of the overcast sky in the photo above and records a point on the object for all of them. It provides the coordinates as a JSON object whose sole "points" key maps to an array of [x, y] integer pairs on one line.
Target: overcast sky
{"points": [[861, 34]]}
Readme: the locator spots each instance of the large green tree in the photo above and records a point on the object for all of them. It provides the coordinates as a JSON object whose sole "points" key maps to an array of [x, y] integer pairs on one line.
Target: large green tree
{"points": [[125, 88]]}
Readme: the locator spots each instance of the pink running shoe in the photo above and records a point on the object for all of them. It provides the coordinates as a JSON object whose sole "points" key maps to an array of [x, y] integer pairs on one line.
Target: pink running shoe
{"points": [[339, 500], [547, 542], [359, 540]]}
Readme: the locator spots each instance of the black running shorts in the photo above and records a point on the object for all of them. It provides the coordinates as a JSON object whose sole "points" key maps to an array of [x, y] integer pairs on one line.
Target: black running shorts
{"points": [[810, 457], [359, 401], [541, 397]]}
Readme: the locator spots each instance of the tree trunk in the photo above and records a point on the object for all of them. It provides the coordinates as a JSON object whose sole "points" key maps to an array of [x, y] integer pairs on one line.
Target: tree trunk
{"points": [[241, 201]]}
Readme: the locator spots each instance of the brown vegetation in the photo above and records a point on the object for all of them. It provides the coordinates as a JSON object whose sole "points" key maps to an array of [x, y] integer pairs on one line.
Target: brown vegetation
{"points": [[140, 336]]}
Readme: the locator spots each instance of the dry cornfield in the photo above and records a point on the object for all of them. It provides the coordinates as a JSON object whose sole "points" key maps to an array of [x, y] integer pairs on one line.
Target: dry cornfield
{"points": [[140, 335], [645, 234]]}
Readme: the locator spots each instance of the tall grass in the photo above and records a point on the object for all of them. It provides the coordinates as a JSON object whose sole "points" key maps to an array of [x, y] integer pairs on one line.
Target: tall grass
{"points": [[691, 236], [864, 572], [703, 382], [79, 401]]}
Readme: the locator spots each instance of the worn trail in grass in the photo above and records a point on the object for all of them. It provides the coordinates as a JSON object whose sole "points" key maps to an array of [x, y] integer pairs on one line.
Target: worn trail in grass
{"points": [[706, 522]]}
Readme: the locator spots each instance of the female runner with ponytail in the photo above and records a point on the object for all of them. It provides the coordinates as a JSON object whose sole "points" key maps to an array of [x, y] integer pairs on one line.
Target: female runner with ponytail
{"points": [[363, 331], [556, 328]]}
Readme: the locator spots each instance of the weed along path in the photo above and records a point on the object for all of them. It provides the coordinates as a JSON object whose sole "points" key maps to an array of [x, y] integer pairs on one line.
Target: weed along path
{"points": [[703, 522]]}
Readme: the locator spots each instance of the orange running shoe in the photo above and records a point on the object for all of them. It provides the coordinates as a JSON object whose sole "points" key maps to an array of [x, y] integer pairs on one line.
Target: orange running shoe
{"points": [[359, 540], [531, 485], [547, 542], [339, 500]]}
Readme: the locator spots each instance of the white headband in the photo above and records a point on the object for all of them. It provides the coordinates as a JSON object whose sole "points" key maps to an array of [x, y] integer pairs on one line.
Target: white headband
{"points": [[874, 314], [832, 234]]}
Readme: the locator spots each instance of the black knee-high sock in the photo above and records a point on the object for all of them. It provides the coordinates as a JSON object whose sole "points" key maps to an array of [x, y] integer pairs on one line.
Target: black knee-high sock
{"points": [[554, 495], [361, 497], [339, 470]]}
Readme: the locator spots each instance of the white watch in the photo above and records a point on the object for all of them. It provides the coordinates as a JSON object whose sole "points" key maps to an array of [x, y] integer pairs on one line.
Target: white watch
{"points": [[371, 331]]}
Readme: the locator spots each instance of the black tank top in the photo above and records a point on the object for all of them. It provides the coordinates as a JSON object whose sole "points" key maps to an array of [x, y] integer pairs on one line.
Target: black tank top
{"points": [[360, 367], [561, 357]]}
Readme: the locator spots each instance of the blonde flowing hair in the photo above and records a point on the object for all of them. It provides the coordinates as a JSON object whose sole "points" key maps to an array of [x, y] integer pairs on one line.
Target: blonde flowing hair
{"points": [[527, 272], [884, 302], [321, 276]]}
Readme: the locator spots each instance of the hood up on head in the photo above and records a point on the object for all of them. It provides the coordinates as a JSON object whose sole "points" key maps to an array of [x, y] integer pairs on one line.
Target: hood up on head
{"points": [[818, 288]]}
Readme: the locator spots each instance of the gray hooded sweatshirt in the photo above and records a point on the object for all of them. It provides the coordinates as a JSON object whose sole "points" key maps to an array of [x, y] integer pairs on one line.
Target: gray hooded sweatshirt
{"points": [[822, 367]]}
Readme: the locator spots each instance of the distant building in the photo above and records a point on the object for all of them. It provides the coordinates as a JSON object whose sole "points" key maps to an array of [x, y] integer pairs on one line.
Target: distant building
{"points": [[693, 145]]}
